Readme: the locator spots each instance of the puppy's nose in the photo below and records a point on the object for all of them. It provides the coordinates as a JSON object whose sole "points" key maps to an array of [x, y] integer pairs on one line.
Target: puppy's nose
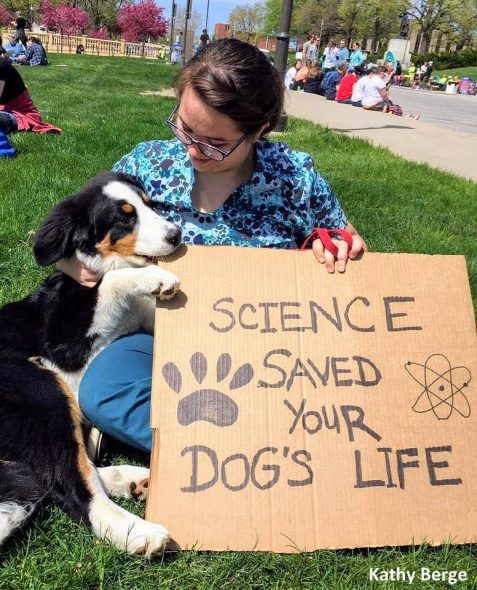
{"points": [[173, 237]]}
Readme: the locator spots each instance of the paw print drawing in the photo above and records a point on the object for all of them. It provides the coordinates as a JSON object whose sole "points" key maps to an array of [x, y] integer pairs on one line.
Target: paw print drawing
{"points": [[208, 404]]}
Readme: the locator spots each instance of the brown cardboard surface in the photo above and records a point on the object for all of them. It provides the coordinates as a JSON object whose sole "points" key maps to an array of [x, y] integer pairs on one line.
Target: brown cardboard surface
{"points": [[296, 410]]}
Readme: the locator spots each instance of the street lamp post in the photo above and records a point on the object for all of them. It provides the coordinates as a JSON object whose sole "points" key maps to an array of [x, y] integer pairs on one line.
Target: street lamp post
{"points": [[187, 17], [207, 16], [171, 40], [281, 53]]}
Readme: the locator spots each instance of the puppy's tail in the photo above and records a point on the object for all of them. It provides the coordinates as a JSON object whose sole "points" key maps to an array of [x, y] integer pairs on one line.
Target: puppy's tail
{"points": [[20, 494]]}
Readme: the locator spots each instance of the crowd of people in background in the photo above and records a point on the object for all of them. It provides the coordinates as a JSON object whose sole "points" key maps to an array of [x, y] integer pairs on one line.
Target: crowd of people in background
{"points": [[22, 50], [343, 76]]}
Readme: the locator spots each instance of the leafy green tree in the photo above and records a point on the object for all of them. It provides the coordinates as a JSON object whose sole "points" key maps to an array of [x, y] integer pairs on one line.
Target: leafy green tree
{"points": [[351, 16], [273, 12], [463, 23], [379, 21], [431, 15], [246, 20]]}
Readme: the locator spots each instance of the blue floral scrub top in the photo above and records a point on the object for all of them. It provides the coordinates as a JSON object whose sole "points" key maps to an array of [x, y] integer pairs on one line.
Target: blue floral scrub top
{"points": [[281, 203]]}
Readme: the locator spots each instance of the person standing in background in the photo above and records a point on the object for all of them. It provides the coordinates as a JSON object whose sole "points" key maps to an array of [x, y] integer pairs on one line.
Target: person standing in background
{"points": [[306, 45], [343, 51], [204, 38], [357, 57], [312, 52], [330, 54]]}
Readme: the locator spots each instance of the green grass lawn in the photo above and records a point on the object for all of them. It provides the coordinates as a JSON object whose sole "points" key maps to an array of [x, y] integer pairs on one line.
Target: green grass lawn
{"points": [[398, 206], [470, 71]]}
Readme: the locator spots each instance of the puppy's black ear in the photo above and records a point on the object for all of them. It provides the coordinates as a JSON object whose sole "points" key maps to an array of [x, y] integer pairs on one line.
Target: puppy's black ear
{"points": [[134, 180], [54, 239]]}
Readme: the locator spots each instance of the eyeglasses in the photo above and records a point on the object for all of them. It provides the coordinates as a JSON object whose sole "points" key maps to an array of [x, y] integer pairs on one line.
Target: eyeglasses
{"points": [[212, 152]]}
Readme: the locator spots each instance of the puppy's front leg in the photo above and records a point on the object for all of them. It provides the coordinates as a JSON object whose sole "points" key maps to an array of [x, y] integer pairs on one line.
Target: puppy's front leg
{"points": [[117, 294]]}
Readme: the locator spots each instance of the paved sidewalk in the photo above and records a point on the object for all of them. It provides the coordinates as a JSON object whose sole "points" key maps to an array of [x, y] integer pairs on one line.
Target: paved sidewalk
{"points": [[453, 151]]}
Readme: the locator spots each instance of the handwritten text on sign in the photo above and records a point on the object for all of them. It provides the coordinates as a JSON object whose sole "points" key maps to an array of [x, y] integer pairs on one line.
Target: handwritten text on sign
{"points": [[443, 393]]}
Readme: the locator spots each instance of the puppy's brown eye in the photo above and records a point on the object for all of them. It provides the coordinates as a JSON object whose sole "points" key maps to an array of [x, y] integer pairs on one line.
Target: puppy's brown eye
{"points": [[127, 208], [145, 198]]}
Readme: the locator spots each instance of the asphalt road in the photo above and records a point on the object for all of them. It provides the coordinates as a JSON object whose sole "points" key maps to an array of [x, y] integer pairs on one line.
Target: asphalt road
{"points": [[454, 111]]}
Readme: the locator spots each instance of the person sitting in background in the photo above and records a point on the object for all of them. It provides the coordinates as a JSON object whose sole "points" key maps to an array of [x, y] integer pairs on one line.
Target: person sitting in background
{"points": [[35, 53], [17, 110], [14, 49], [345, 89], [79, 49], [357, 57], [291, 73], [376, 96], [314, 80], [332, 79], [300, 78], [389, 76], [358, 88], [249, 192]]}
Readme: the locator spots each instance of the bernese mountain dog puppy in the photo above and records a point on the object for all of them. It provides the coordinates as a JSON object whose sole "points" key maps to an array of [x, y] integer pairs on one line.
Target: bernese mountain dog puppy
{"points": [[47, 341]]}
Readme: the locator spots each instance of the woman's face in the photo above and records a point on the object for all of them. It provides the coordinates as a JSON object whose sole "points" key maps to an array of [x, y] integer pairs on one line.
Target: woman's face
{"points": [[206, 124]]}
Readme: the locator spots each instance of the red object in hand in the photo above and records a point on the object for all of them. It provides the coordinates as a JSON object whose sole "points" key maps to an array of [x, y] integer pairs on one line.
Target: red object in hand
{"points": [[325, 236]]}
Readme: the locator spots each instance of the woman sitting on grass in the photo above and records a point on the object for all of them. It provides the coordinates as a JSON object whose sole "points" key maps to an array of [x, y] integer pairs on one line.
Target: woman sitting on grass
{"points": [[223, 183], [17, 110], [35, 53]]}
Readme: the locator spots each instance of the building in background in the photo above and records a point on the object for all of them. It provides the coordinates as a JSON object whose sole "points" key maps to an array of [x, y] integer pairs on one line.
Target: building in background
{"points": [[269, 42], [222, 31]]}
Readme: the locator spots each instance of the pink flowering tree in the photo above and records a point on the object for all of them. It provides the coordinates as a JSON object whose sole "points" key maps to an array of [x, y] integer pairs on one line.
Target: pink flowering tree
{"points": [[141, 21], [5, 17], [67, 20], [100, 33]]}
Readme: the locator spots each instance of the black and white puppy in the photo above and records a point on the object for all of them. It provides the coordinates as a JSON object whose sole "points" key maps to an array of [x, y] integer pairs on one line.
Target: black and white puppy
{"points": [[47, 341]]}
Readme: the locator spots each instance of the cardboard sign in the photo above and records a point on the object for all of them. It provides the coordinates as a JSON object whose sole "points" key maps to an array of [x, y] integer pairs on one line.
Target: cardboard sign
{"points": [[296, 410]]}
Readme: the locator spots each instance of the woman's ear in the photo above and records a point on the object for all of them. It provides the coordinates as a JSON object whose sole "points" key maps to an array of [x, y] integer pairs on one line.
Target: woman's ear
{"points": [[256, 136]]}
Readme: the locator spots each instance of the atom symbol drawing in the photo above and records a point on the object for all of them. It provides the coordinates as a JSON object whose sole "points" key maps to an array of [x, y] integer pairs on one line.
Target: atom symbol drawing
{"points": [[443, 387]]}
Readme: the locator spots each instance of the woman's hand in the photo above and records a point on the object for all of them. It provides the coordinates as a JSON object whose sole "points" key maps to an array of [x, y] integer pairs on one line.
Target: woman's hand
{"points": [[78, 271], [338, 263]]}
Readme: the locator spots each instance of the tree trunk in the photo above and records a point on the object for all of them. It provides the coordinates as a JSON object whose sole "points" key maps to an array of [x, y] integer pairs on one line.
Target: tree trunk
{"points": [[425, 40]]}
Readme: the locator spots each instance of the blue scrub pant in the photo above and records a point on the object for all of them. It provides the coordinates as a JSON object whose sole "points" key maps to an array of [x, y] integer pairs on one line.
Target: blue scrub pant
{"points": [[115, 392]]}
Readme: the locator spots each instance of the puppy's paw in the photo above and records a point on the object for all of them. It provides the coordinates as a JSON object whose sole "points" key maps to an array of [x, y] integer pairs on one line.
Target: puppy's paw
{"points": [[125, 481], [161, 283], [139, 489], [146, 538]]}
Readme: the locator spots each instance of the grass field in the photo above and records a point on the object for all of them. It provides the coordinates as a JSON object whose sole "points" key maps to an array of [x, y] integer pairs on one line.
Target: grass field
{"points": [[470, 71], [398, 206]]}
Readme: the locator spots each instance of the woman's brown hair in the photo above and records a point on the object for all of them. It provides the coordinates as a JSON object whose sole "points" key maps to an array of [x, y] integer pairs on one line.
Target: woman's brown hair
{"points": [[236, 79]]}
